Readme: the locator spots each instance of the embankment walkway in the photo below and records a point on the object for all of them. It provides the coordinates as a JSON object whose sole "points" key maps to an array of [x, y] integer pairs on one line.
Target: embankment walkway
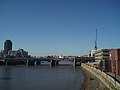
{"points": [[103, 77]]}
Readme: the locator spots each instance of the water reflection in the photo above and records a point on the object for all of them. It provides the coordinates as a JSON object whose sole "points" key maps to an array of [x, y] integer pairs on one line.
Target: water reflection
{"points": [[40, 78], [61, 63], [6, 78], [65, 63]]}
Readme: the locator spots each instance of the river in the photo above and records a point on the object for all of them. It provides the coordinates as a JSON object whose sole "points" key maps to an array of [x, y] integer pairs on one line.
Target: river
{"points": [[44, 77]]}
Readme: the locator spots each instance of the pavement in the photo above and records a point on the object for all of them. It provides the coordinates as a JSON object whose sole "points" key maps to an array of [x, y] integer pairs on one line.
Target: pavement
{"points": [[91, 82]]}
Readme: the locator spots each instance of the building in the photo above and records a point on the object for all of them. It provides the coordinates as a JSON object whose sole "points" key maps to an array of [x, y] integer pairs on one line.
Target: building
{"points": [[12, 53], [87, 59], [92, 53], [18, 53], [7, 46], [1, 54], [9, 53], [102, 57], [115, 61]]}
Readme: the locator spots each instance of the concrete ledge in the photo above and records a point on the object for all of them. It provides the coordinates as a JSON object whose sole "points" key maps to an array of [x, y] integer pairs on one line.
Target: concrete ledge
{"points": [[106, 79]]}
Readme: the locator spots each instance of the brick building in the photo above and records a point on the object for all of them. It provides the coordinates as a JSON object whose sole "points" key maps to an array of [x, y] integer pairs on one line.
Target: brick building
{"points": [[115, 61]]}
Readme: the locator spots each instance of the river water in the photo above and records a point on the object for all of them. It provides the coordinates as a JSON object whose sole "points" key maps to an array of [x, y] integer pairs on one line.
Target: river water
{"points": [[44, 77]]}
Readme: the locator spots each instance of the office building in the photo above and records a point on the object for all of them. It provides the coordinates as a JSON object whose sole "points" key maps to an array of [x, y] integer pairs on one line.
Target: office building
{"points": [[102, 56], [7, 46], [18, 53]]}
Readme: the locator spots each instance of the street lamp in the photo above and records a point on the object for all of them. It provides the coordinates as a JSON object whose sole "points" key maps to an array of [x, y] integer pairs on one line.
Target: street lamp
{"points": [[115, 73]]}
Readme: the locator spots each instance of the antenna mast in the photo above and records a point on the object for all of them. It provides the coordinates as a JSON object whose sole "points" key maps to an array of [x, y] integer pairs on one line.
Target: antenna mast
{"points": [[96, 40]]}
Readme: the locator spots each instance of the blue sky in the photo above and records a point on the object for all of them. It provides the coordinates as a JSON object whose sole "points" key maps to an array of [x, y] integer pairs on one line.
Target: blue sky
{"points": [[60, 27]]}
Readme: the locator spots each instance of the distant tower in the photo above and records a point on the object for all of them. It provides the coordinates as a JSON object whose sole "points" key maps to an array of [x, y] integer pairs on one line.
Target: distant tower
{"points": [[96, 40], [7, 46]]}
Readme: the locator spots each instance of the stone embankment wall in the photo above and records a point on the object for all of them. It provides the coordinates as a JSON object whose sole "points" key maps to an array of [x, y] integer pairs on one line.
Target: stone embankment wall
{"points": [[106, 79]]}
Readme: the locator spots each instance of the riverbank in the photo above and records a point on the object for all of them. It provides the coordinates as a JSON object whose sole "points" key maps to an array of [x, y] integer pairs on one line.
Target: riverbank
{"points": [[91, 82]]}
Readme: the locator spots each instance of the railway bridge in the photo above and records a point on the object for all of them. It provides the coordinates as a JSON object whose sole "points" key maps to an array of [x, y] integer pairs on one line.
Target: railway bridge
{"points": [[37, 61]]}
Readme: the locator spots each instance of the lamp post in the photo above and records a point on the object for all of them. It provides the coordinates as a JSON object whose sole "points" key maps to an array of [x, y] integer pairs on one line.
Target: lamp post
{"points": [[115, 73]]}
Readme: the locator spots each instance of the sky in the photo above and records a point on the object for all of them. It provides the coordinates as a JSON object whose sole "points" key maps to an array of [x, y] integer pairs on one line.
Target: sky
{"points": [[60, 27]]}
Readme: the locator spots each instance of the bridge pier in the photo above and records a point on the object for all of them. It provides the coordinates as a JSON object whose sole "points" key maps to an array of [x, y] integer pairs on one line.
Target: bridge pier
{"points": [[38, 62], [52, 63], [6, 63], [2, 62], [76, 63], [57, 63], [27, 63], [32, 63], [35, 63]]}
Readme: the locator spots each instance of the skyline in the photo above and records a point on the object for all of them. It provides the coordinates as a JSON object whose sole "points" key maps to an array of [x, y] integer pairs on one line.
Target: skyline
{"points": [[60, 27]]}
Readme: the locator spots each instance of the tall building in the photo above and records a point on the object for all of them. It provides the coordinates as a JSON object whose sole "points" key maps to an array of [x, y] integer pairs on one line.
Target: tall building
{"points": [[7, 46], [115, 61]]}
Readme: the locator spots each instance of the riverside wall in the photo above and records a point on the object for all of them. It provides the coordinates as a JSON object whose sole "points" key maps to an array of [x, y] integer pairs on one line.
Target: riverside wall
{"points": [[103, 77]]}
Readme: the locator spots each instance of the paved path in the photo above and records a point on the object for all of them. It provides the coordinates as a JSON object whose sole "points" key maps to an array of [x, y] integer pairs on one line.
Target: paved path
{"points": [[91, 82]]}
